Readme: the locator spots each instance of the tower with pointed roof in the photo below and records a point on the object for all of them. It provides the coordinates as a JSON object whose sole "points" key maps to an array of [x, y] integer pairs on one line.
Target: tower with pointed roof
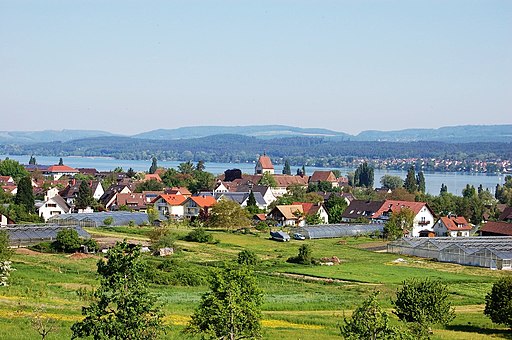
{"points": [[264, 165]]}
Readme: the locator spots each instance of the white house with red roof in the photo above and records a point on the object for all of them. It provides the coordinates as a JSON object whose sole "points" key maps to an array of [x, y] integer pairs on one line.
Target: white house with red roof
{"points": [[57, 171], [264, 165], [423, 223], [315, 209], [194, 205], [170, 205], [453, 226]]}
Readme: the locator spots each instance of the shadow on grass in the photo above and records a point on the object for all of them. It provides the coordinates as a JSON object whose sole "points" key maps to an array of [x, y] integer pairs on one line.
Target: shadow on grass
{"points": [[503, 333]]}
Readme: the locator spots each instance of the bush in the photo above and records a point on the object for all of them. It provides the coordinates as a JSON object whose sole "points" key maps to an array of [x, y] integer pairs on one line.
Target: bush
{"points": [[261, 226], [67, 241], [248, 258], [172, 272], [199, 235], [304, 256], [108, 221], [92, 245], [498, 302], [44, 247], [162, 238], [424, 302]]}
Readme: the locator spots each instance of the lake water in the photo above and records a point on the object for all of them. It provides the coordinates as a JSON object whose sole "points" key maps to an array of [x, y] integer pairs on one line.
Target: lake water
{"points": [[454, 180]]}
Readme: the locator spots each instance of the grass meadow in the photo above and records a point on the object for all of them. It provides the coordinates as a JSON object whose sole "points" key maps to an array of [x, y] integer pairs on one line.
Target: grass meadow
{"points": [[300, 302]]}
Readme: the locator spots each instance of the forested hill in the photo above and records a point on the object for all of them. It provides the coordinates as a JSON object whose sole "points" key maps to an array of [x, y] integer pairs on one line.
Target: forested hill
{"points": [[236, 148]]}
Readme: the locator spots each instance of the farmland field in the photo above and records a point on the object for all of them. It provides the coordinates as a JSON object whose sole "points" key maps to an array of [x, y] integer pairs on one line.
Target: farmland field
{"points": [[300, 302]]}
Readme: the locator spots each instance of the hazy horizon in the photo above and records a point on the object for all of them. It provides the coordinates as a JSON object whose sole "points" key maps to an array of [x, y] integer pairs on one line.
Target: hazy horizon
{"points": [[128, 67]]}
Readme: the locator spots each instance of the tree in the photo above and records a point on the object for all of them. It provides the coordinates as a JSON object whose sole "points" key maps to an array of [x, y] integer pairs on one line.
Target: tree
{"points": [[391, 182], [268, 180], [286, 169], [410, 181], [314, 219], [200, 166], [67, 240], [10, 167], [43, 325], [304, 256], [398, 224], [424, 302], [231, 309], [25, 195], [251, 200], [32, 160], [84, 198], [420, 181], [227, 214], [363, 176], [61, 161], [151, 185], [121, 308], [186, 168], [247, 258], [131, 173], [303, 170], [444, 188], [154, 166], [369, 321], [498, 302]]}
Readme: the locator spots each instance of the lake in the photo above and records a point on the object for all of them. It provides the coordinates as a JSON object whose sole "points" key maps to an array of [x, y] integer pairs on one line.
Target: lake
{"points": [[454, 180]]}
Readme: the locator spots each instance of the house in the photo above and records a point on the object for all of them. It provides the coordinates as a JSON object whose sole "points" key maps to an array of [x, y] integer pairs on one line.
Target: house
{"points": [[10, 188], [195, 205], [311, 209], [423, 222], [52, 206], [179, 191], [242, 198], [324, 176], [151, 195], [149, 177], [5, 220], [348, 197], [170, 205], [265, 191], [380, 212], [109, 197], [288, 215], [506, 215], [5, 180], [283, 182], [220, 187], [496, 229], [57, 171], [264, 166], [361, 209], [70, 192], [453, 226], [133, 201]]}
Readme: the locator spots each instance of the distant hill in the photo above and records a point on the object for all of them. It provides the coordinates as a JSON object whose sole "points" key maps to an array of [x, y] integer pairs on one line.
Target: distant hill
{"points": [[259, 131], [30, 137], [449, 134]]}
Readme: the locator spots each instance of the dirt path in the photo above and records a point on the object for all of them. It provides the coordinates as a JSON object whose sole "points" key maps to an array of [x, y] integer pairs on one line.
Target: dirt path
{"points": [[304, 277]]}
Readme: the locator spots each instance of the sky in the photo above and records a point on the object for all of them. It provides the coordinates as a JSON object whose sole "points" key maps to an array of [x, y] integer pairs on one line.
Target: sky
{"points": [[133, 66]]}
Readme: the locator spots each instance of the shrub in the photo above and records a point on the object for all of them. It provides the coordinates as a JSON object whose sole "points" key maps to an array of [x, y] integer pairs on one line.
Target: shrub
{"points": [[199, 235], [108, 221], [162, 238], [67, 241], [304, 256], [498, 302], [262, 226], [248, 258], [172, 272]]}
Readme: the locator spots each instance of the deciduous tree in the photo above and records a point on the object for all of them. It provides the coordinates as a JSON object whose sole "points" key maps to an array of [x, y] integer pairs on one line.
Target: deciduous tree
{"points": [[498, 302], [391, 182], [231, 309], [227, 214], [121, 308]]}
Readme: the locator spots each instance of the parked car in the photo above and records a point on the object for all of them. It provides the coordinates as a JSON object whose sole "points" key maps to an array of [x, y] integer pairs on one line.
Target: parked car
{"points": [[279, 236], [299, 236]]}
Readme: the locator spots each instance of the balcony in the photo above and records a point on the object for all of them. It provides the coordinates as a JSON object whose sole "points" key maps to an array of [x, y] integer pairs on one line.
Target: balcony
{"points": [[424, 222]]}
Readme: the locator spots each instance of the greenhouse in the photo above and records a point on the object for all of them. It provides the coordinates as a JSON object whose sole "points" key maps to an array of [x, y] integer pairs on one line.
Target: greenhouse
{"points": [[484, 251], [23, 235], [339, 230], [111, 218]]}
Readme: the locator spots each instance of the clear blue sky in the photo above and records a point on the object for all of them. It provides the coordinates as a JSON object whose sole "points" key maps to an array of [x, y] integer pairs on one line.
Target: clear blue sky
{"points": [[133, 66]]}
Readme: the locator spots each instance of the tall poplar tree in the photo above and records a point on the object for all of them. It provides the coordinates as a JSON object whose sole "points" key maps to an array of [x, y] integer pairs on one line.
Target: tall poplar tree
{"points": [[84, 198], [420, 181], [153, 167], [410, 181], [25, 195], [286, 169]]}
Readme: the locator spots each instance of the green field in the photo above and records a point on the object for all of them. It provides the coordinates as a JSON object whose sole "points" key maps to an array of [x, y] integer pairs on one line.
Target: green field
{"points": [[301, 302]]}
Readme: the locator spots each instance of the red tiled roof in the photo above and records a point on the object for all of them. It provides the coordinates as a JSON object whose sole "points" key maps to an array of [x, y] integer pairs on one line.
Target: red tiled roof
{"points": [[179, 191], [131, 199], [286, 180], [453, 222], [172, 199], [396, 206], [265, 162], [506, 214], [61, 168], [149, 177], [497, 228], [322, 176], [204, 201]]}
